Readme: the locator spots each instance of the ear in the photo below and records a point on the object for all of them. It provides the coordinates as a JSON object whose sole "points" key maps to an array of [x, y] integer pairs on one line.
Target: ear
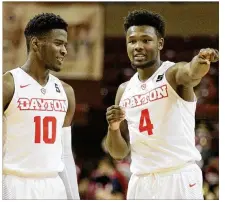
{"points": [[161, 43], [34, 44]]}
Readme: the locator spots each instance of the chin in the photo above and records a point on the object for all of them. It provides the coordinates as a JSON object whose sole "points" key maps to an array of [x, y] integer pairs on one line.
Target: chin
{"points": [[56, 69], [142, 65]]}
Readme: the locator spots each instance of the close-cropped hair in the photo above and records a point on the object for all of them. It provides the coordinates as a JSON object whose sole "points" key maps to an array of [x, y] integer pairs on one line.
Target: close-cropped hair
{"points": [[145, 17], [41, 24]]}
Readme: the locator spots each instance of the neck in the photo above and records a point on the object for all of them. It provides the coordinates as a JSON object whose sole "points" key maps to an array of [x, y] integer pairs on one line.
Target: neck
{"points": [[146, 73], [36, 69]]}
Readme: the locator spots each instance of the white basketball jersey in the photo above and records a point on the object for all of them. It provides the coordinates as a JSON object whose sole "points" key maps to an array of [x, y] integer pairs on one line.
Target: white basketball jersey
{"points": [[33, 123], [161, 124]]}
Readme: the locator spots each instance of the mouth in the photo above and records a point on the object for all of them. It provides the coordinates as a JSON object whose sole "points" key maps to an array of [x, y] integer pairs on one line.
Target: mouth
{"points": [[139, 57], [60, 59]]}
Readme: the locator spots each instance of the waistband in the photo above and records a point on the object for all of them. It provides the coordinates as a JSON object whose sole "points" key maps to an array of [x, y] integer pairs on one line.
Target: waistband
{"points": [[29, 175], [168, 171]]}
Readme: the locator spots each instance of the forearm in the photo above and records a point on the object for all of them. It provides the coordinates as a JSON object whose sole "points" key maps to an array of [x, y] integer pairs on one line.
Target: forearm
{"points": [[69, 175], [69, 178], [116, 144]]}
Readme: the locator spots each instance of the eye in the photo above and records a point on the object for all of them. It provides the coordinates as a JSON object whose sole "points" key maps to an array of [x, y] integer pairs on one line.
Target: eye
{"points": [[146, 40], [132, 41], [58, 43]]}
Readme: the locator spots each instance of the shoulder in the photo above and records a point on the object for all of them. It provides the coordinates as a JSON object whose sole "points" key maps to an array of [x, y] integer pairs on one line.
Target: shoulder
{"points": [[8, 77], [123, 85], [120, 92], [172, 71], [71, 103], [175, 67], [8, 81]]}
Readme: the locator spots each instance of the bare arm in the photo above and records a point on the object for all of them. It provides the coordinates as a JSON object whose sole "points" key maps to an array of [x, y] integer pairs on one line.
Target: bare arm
{"points": [[190, 74], [8, 89], [117, 139], [183, 76]]}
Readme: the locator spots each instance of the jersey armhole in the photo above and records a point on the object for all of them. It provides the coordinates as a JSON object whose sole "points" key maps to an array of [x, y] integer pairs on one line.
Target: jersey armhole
{"points": [[127, 86], [60, 82], [176, 94], [124, 93]]}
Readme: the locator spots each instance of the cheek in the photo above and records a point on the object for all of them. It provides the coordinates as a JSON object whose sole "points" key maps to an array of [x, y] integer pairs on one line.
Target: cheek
{"points": [[51, 52], [153, 48], [129, 51], [44, 52]]}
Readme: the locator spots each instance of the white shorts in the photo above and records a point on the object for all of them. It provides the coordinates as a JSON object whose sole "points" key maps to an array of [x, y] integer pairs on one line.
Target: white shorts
{"points": [[184, 183], [32, 188]]}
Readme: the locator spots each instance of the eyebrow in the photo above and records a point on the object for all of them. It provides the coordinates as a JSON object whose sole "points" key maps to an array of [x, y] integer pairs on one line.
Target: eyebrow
{"points": [[59, 40], [144, 35]]}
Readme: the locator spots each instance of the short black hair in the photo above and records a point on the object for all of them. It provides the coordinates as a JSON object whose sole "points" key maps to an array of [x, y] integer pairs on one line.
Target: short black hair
{"points": [[145, 17], [43, 23]]}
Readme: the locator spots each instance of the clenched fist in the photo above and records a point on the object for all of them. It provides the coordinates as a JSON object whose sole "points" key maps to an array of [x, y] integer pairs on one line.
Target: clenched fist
{"points": [[114, 115], [209, 55]]}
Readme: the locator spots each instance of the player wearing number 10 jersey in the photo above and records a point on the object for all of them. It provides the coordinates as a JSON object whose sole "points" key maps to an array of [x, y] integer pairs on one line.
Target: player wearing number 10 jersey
{"points": [[38, 110], [154, 115]]}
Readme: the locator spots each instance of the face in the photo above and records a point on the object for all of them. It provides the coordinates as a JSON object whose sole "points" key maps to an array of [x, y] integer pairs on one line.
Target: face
{"points": [[51, 49], [143, 46]]}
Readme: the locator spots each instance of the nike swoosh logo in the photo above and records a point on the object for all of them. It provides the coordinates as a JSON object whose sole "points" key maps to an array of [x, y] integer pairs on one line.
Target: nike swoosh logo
{"points": [[23, 86], [191, 185]]}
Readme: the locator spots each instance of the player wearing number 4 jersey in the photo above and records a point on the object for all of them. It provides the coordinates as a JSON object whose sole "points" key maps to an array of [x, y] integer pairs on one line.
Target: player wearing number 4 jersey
{"points": [[38, 110], [154, 115]]}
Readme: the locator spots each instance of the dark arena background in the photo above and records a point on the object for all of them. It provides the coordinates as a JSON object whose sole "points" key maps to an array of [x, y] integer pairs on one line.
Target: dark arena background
{"points": [[97, 64]]}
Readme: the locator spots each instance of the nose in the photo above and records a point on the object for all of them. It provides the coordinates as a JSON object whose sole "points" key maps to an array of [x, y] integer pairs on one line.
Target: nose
{"points": [[63, 50], [139, 46]]}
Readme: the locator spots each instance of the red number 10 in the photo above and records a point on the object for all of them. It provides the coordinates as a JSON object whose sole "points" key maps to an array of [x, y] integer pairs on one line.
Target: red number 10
{"points": [[145, 118], [45, 124]]}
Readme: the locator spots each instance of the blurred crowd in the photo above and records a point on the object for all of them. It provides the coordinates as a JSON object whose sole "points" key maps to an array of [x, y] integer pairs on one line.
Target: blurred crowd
{"points": [[107, 179], [207, 142]]}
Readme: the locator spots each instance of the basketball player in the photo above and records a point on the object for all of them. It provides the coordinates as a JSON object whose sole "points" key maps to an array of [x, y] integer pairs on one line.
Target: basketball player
{"points": [[38, 110], [154, 115]]}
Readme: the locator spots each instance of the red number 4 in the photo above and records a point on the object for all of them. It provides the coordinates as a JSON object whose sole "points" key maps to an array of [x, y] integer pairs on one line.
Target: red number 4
{"points": [[45, 125], [145, 122]]}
